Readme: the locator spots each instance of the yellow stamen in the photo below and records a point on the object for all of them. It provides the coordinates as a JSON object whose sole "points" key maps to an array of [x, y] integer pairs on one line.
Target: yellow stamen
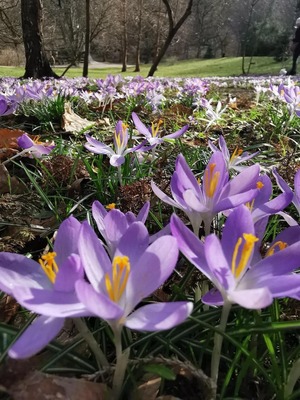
{"points": [[245, 253], [36, 140], [120, 136], [155, 129], [259, 185], [47, 262], [116, 284], [250, 205], [211, 179], [237, 152], [280, 245], [111, 206]]}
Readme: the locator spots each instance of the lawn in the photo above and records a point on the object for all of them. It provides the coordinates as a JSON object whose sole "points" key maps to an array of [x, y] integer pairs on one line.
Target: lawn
{"points": [[150, 237], [172, 68]]}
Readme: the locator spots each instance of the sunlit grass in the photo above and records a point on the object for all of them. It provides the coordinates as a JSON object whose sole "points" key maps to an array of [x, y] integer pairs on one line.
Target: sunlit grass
{"points": [[172, 68]]}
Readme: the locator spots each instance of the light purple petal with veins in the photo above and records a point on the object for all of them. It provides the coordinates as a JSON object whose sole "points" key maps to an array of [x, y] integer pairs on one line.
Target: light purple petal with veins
{"points": [[36, 337], [159, 316]]}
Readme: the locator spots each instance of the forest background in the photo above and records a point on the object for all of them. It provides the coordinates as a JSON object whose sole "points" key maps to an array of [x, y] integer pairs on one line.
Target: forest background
{"points": [[134, 31]]}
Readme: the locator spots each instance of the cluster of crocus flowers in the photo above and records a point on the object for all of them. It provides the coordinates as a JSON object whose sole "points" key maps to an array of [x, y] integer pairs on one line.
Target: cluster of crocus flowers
{"points": [[7, 107], [201, 202], [229, 262], [80, 278]]}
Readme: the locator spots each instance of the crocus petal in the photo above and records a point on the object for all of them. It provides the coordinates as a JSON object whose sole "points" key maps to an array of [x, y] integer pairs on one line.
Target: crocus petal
{"points": [[17, 270], [94, 258], [38, 150], [194, 202], [243, 182], [97, 147], [25, 141], [235, 200], [288, 219], [264, 194], [66, 239], [36, 337], [213, 298], [99, 212], [140, 126], [224, 148], [239, 222], [244, 157], [280, 263], [283, 285], [162, 196], [115, 225], [185, 174], [281, 182], [289, 235], [143, 213], [133, 243], [159, 316], [253, 299], [96, 302], [273, 206], [68, 273], [176, 134], [152, 270], [50, 302], [190, 245], [116, 160], [218, 264]]}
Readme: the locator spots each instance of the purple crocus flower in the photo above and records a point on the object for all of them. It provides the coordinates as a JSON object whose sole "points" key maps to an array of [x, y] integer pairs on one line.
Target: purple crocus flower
{"points": [[34, 147], [113, 224], [135, 271], [217, 193], [117, 157], [237, 157], [7, 107], [46, 287], [292, 97], [228, 263], [262, 205], [295, 195], [152, 134]]}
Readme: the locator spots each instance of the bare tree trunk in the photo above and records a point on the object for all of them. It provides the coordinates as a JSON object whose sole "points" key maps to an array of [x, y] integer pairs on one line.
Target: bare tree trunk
{"points": [[157, 38], [37, 64], [246, 33], [139, 37], [124, 41], [87, 39], [173, 28]]}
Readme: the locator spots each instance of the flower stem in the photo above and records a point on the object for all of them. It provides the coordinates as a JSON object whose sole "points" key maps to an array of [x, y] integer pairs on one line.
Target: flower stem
{"points": [[292, 379], [91, 341], [121, 364], [120, 175], [218, 340], [15, 156]]}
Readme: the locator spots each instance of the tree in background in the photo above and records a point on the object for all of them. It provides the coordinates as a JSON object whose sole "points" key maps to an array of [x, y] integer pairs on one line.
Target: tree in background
{"points": [[87, 39], [173, 29], [37, 64]]}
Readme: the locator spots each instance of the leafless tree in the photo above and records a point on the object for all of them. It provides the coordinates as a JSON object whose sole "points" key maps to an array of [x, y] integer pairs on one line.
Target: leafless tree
{"points": [[173, 29], [37, 64]]}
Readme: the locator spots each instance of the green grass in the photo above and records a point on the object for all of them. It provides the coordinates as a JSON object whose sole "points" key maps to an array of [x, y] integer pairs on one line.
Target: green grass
{"points": [[172, 68]]}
